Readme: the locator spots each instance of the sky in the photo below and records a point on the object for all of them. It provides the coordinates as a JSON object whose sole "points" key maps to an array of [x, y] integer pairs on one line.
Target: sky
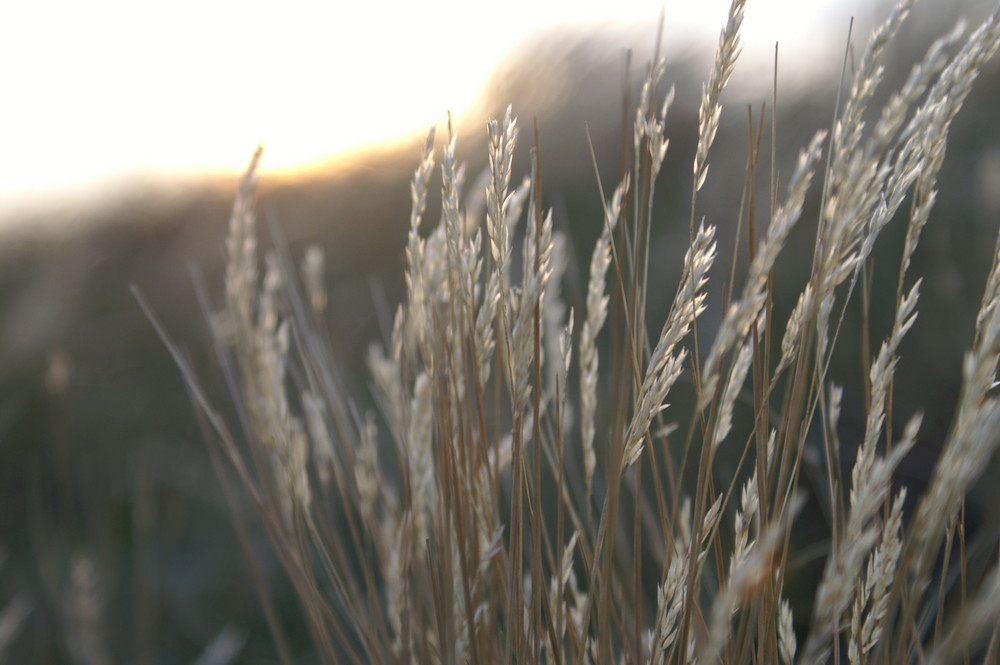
{"points": [[105, 92]]}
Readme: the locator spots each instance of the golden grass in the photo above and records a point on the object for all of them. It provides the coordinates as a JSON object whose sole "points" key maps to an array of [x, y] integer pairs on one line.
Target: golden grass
{"points": [[517, 494]]}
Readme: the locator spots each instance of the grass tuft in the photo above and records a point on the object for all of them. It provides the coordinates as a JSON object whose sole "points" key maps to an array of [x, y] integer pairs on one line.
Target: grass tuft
{"points": [[510, 492]]}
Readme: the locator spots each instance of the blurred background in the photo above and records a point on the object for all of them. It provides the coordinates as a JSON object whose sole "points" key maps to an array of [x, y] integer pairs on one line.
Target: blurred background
{"points": [[123, 129]]}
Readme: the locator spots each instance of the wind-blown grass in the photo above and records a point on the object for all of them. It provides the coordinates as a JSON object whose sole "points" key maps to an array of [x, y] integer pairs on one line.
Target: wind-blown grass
{"points": [[517, 494]]}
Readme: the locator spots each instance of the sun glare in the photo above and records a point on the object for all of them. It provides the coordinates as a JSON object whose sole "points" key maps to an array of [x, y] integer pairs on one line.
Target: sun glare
{"points": [[107, 90]]}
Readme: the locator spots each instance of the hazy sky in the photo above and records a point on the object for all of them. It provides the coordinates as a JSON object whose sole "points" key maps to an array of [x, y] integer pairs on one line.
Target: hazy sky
{"points": [[102, 90]]}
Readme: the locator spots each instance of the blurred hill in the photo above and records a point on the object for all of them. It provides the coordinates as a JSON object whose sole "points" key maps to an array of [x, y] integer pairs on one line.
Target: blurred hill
{"points": [[102, 455]]}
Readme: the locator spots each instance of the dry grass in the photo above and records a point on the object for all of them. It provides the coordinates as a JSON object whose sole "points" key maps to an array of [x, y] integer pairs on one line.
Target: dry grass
{"points": [[523, 493]]}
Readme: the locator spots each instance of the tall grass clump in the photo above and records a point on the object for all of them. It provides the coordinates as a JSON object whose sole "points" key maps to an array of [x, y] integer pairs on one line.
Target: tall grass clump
{"points": [[517, 487]]}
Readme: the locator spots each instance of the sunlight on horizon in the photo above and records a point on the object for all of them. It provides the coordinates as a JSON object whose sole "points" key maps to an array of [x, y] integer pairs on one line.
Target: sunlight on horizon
{"points": [[110, 91]]}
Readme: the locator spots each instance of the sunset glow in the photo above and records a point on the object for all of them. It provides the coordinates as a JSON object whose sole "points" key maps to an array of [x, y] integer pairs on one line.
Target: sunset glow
{"points": [[105, 90]]}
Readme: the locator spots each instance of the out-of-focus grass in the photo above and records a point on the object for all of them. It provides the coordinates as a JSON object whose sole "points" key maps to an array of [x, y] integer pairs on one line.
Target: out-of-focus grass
{"points": [[103, 460]]}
